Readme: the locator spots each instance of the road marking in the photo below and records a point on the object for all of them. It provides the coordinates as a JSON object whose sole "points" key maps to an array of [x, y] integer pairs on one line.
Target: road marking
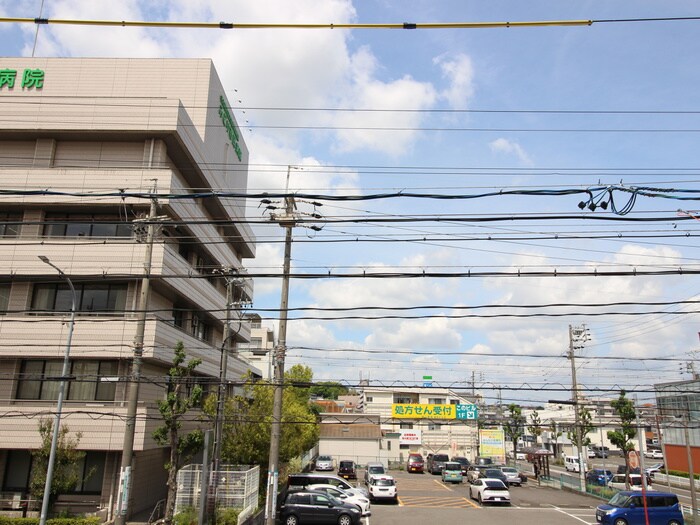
{"points": [[441, 484], [571, 515], [432, 502]]}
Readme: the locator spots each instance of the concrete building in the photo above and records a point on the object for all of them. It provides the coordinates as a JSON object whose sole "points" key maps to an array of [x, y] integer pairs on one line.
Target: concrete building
{"points": [[428, 431], [259, 351], [96, 132]]}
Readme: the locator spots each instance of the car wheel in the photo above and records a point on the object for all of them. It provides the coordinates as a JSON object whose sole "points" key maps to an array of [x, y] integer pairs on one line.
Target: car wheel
{"points": [[620, 521], [479, 498], [674, 522], [344, 519], [291, 520]]}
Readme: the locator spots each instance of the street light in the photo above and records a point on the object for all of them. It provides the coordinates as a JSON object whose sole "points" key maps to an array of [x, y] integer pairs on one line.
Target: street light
{"points": [[61, 392]]}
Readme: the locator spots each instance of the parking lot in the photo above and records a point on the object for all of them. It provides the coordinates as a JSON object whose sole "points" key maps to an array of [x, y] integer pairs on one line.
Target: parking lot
{"points": [[423, 498]]}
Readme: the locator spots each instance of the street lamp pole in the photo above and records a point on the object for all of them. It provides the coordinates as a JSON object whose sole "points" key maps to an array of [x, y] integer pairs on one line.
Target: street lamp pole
{"points": [[61, 394]]}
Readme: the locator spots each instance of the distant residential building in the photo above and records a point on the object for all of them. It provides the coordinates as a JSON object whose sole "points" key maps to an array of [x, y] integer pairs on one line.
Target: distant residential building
{"points": [[678, 406], [259, 352]]}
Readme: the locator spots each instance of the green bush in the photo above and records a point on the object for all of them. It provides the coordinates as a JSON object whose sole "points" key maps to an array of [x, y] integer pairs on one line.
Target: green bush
{"points": [[92, 520], [188, 516], [227, 516], [681, 473]]}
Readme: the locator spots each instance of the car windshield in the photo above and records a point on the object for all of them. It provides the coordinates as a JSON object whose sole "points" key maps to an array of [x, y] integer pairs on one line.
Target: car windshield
{"points": [[619, 500], [493, 473], [453, 466], [495, 484], [346, 464], [324, 458], [509, 470], [376, 470]]}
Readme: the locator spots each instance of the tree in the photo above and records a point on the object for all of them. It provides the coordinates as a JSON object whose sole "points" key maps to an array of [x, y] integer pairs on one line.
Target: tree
{"points": [[585, 422], [622, 438], [66, 475], [329, 390], [513, 428], [535, 426], [554, 429], [182, 396], [248, 419]]}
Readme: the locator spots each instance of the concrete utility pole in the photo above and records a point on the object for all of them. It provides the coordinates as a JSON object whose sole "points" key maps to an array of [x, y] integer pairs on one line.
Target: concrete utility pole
{"points": [[578, 335], [691, 467], [287, 221], [134, 382]]}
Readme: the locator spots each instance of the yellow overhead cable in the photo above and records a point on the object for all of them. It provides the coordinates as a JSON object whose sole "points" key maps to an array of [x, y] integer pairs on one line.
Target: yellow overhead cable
{"points": [[232, 25]]}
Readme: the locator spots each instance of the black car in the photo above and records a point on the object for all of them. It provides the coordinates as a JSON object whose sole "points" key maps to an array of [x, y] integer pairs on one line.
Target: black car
{"points": [[310, 506], [598, 476], [436, 463], [347, 469], [464, 462], [494, 473]]}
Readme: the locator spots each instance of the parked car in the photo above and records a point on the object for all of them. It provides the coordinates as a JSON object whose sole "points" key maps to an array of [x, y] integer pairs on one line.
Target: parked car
{"points": [[464, 462], [590, 453], [383, 487], [621, 469], [317, 507], [654, 453], [572, 464], [373, 470], [486, 490], [324, 463], [628, 507], [513, 476], [358, 500], [483, 460], [601, 452], [415, 463], [598, 476], [618, 482], [452, 472], [304, 479], [347, 469], [437, 462], [653, 469], [494, 473], [474, 472]]}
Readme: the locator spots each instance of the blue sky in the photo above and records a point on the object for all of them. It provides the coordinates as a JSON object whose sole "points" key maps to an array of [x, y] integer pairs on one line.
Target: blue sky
{"points": [[491, 109]]}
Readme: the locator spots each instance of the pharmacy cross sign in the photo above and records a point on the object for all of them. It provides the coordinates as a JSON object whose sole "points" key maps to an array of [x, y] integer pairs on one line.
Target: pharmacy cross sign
{"points": [[31, 78], [467, 411]]}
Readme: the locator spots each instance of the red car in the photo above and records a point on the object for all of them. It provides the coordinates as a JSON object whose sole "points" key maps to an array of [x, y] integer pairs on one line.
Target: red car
{"points": [[415, 463]]}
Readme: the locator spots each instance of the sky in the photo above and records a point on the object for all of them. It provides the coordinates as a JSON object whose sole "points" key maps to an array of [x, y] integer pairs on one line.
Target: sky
{"points": [[454, 112]]}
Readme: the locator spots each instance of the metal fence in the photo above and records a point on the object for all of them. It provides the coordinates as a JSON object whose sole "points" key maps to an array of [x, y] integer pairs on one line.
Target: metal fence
{"points": [[233, 486]]}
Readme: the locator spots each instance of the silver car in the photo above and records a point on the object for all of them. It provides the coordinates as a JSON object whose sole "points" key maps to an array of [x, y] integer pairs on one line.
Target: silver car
{"points": [[512, 476]]}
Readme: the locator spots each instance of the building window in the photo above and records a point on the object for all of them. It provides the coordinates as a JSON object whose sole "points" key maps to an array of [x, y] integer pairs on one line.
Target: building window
{"points": [[369, 399], [102, 297], [179, 317], [4, 297], [40, 379], [436, 400], [85, 225], [200, 328], [407, 426], [403, 399], [434, 426], [9, 225], [17, 469], [91, 470]]}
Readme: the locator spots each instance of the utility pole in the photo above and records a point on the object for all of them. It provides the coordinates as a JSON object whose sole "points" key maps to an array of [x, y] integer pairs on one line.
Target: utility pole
{"points": [[287, 221], [578, 335], [691, 467], [223, 390], [125, 481]]}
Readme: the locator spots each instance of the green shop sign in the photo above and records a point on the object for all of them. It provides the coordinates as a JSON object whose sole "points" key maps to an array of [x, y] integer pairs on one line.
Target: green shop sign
{"points": [[31, 78], [230, 126]]}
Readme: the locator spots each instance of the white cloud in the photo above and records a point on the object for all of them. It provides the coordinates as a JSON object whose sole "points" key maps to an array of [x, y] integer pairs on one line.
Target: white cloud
{"points": [[510, 147], [459, 72]]}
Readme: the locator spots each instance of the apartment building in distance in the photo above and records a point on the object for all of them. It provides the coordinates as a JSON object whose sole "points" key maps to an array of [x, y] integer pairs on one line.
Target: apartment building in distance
{"points": [[96, 133]]}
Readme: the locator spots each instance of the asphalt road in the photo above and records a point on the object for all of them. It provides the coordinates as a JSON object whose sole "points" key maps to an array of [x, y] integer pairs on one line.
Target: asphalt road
{"points": [[423, 498]]}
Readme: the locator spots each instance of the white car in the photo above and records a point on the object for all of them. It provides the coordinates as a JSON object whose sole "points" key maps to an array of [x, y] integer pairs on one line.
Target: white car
{"points": [[382, 487], [324, 463], [618, 482], [590, 453], [654, 453], [355, 499], [489, 490]]}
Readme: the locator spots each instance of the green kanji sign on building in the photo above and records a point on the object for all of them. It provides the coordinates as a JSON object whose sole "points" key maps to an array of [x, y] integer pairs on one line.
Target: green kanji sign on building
{"points": [[31, 79]]}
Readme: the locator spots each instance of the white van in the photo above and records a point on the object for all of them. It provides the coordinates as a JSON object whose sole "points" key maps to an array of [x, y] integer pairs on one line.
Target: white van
{"points": [[573, 464]]}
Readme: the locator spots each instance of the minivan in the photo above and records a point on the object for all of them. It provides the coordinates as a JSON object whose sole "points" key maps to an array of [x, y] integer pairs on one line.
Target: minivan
{"points": [[573, 464], [627, 506], [437, 462]]}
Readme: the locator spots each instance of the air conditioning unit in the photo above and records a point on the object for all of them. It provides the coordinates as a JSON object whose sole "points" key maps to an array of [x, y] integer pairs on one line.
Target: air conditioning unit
{"points": [[11, 500]]}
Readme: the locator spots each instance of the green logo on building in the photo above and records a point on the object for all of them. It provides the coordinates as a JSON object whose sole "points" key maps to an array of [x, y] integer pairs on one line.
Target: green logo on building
{"points": [[230, 126], [31, 78]]}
